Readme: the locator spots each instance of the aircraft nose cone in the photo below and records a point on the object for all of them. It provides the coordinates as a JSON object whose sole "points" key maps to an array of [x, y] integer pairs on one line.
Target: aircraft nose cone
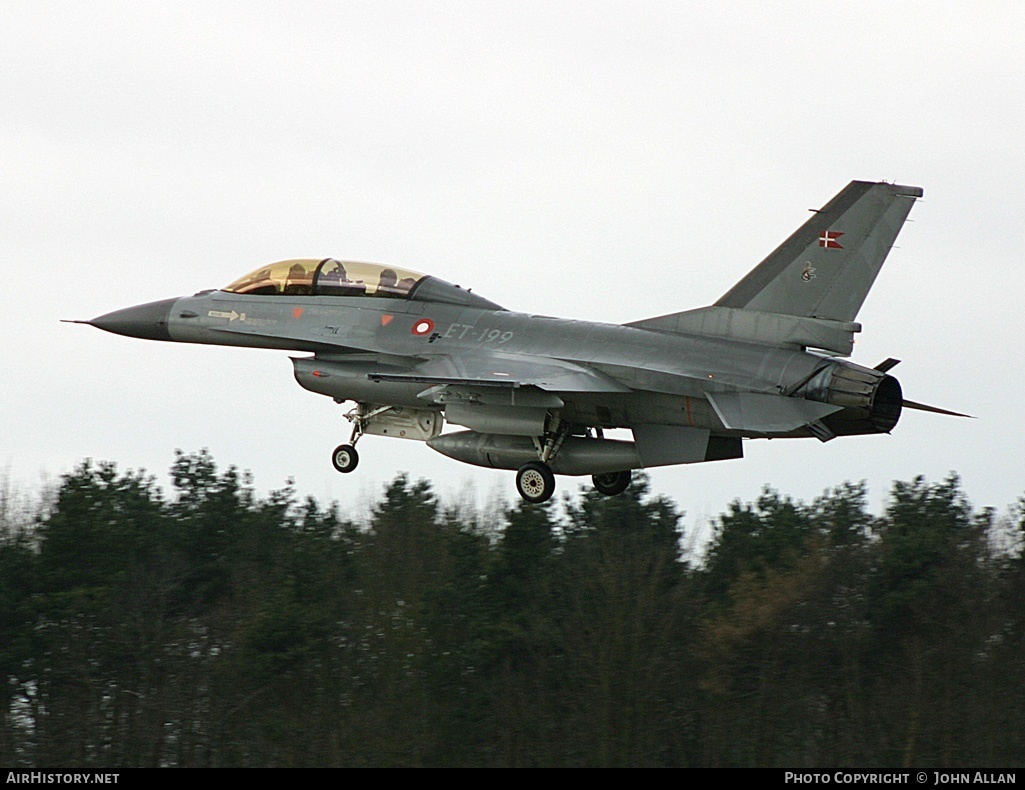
{"points": [[147, 321]]}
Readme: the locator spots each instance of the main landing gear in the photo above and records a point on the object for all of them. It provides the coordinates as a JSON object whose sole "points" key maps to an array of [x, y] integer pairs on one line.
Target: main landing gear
{"points": [[612, 483], [535, 481]]}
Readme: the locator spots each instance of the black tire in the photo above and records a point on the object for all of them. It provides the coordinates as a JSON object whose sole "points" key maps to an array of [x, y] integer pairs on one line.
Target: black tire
{"points": [[612, 483], [344, 458], [535, 482]]}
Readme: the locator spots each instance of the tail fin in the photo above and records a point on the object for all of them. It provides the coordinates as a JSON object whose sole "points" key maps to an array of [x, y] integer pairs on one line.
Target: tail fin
{"points": [[827, 267]]}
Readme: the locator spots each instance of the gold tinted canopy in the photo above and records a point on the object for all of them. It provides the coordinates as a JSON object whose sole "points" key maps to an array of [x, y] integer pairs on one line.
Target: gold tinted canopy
{"points": [[327, 277]]}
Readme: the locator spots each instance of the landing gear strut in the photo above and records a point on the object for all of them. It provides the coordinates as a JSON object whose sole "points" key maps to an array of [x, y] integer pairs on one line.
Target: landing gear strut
{"points": [[535, 482]]}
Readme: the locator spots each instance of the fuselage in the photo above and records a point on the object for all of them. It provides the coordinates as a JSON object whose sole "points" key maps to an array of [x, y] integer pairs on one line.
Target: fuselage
{"points": [[665, 377]]}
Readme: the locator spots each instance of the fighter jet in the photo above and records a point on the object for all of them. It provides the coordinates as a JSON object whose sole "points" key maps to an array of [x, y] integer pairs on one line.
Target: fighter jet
{"points": [[536, 394]]}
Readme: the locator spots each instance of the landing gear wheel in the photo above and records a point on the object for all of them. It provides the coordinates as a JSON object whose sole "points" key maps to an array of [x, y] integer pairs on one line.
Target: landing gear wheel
{"points": [[345, 458], [535, 482], [611, 483]]}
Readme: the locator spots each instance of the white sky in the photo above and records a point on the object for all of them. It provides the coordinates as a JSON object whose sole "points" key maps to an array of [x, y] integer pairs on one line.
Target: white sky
{"points": [[596, 160]]}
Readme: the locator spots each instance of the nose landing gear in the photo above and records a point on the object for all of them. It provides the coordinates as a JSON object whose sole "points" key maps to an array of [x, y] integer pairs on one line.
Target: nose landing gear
{"points": [[344, 458]]}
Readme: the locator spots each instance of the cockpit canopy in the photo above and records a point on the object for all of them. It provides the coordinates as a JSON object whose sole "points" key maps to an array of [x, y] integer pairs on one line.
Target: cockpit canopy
{"points": [[330, 277]]}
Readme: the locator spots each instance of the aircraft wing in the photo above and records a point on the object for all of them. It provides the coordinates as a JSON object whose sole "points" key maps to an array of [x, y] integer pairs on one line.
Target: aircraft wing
{"points": [[496, 369]]}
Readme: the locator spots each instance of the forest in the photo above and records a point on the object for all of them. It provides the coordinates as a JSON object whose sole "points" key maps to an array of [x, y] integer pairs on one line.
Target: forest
{"points": [[211, 626]]}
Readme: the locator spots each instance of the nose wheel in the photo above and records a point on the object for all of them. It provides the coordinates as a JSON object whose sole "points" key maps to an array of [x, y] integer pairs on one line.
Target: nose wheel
{"points": [[344, 458], [535, 482]]}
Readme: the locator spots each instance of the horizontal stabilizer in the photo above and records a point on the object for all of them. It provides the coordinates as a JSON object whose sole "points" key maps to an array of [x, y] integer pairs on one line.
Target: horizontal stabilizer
{"points": [[763, 414]]}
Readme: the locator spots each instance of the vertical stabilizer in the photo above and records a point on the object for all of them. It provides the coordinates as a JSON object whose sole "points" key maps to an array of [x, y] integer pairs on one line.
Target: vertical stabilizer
{"points": [[827, 267]]}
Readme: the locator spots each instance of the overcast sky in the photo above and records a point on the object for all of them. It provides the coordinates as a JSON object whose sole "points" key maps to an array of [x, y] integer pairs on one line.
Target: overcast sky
{"points": [[598, 160]]}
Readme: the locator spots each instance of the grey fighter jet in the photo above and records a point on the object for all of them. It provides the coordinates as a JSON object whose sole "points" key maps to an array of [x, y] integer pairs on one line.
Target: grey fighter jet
{"points": [[535, 394]]}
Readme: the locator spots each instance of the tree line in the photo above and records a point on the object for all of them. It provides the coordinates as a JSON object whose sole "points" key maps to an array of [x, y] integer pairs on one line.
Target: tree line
{"points": [[214, 627]]}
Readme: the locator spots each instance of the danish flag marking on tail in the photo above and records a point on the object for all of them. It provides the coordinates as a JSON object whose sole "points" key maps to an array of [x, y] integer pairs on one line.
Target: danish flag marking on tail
{"points": [[828, 238]]}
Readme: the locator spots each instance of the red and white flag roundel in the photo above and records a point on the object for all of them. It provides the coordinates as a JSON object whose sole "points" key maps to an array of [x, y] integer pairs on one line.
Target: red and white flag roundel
{"points": [[828, 238], [423, 326]]}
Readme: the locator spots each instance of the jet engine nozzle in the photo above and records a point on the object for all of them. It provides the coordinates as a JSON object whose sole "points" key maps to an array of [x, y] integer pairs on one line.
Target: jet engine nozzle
{"points": [[872, 400]]}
